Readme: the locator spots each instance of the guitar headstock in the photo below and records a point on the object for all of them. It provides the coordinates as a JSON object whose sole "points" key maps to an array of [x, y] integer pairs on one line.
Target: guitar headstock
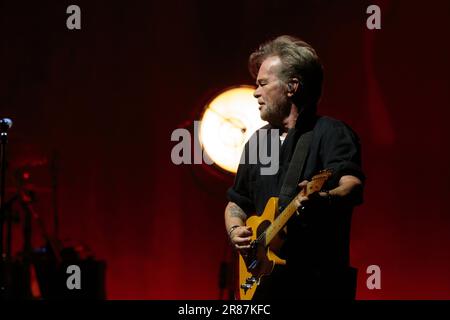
{"points": [[317, 181]]}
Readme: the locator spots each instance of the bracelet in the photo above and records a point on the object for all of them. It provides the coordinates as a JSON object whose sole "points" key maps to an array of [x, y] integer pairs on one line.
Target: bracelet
{"points": [[232, 228]]}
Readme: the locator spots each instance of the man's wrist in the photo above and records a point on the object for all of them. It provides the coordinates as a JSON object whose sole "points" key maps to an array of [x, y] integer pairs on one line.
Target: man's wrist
{"points": [[232, 229]]}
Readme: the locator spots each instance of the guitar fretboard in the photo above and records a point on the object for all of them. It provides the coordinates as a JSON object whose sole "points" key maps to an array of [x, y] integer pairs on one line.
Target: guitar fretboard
{"points": [[282, 219], [280, 222]]}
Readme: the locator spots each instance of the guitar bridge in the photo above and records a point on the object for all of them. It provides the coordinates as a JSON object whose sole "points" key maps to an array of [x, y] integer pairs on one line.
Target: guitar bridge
{"points": [[249, 282]]}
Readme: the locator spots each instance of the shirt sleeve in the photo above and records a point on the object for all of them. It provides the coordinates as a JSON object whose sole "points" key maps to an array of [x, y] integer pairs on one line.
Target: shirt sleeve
{"points": [[341, 152], [240, 193]]}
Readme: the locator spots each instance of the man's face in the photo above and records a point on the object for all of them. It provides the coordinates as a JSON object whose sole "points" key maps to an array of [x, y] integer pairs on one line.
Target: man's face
{"points": [[271, 92]]}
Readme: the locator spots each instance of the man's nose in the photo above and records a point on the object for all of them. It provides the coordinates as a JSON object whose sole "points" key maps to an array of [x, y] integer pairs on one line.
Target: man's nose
{"points": [[256, 93]]}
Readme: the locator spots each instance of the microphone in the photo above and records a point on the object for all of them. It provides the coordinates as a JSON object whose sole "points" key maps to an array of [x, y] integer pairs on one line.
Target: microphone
{"points": [[5, 124]]}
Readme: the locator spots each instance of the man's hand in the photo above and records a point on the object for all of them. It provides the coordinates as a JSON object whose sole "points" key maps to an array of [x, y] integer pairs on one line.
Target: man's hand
{"points": [[240, 237], [313, 200], [302, 200], [349, 188]]}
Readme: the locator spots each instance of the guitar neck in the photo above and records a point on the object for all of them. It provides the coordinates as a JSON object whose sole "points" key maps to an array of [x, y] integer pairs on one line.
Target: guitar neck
{"points": [[314, 185], [280, 222]]}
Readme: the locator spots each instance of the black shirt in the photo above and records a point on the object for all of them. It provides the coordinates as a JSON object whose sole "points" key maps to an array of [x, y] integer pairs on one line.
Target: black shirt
{"points": [[319, 238]]}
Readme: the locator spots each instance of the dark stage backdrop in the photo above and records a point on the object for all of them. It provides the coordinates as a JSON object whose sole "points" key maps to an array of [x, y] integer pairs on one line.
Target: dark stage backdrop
{"points": [[104, 101]]}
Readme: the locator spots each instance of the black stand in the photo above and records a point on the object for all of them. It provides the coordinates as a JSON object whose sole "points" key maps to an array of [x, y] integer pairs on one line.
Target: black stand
{"points": [[5, 273], [54, 177]]}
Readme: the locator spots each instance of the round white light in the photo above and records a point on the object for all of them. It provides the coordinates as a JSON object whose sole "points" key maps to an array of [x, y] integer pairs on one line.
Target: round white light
{"points": [[227, 123]]}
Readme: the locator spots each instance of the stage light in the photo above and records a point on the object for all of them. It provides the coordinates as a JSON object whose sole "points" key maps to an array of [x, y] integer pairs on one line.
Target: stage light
{"points": [[227, 123]]}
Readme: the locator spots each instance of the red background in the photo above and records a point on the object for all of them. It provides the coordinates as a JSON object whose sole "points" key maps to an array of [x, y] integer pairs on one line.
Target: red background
{"points": [[106, 99]]}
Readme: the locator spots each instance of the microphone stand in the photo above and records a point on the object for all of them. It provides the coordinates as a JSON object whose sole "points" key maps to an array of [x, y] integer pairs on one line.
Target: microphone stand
{"points": [[54, 178], [4, 274]]}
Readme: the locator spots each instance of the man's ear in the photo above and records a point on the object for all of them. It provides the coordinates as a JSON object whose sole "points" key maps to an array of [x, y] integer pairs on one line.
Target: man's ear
{"points": [[293, 86]]}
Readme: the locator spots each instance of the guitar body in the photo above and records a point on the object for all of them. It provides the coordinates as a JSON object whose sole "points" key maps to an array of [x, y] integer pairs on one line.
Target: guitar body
{"points": [[267, 238], [266, 256]]}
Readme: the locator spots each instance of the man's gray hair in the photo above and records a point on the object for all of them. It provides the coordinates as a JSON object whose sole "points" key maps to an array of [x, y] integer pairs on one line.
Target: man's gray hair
{"points": [[298, 60]]}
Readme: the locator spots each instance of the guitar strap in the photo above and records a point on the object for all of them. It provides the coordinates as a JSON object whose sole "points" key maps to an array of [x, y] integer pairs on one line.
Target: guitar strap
{"points": [[294, 172]]}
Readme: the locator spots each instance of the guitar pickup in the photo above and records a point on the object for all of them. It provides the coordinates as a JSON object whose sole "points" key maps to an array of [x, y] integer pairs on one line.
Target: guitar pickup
{"points": [[253, 265]]}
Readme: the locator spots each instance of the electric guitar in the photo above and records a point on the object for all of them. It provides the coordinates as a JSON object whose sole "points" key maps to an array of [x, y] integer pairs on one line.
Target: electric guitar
{"points": [[266, 241]]}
